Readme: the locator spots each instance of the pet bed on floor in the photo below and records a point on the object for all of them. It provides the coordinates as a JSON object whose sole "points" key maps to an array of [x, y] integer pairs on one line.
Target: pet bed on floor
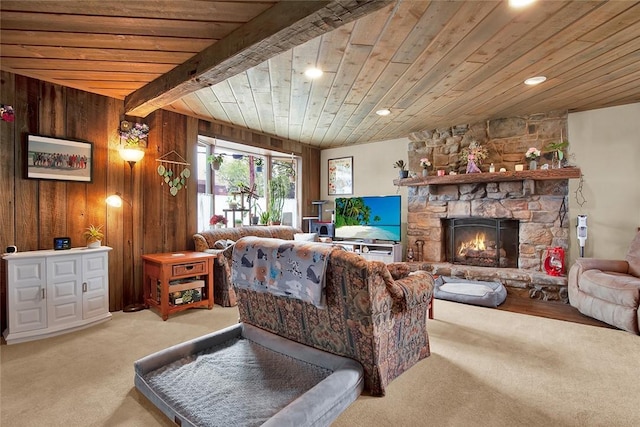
{"points": [[245, 376], [476, 292]]}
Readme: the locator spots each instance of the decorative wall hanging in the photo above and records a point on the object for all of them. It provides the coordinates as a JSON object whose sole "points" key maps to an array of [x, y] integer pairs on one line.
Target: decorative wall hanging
{"points": [[6, 113], [174, 172]]}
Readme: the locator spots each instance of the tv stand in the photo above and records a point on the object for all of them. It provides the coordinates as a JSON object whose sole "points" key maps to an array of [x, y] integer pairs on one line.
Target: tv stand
{"points": [[385, 252]]}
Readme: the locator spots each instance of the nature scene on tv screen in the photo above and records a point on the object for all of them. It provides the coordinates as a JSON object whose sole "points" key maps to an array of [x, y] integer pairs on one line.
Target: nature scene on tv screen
{"points": [[372, 217]]}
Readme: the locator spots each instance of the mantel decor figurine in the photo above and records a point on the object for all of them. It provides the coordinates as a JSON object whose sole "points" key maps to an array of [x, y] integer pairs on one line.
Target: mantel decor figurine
{"points": [[473, 155]]}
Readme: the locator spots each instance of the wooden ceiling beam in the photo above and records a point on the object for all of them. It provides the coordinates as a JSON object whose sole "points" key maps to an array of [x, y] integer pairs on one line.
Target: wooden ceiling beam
{"points": [[280, 28]]}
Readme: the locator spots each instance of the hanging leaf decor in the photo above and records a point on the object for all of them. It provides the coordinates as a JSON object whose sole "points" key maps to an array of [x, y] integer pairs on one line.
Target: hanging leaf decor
{"points": [[174, 173]]}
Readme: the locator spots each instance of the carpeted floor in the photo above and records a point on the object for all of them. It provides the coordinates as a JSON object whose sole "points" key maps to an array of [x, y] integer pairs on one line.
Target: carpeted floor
{"points": [[488, 368]]}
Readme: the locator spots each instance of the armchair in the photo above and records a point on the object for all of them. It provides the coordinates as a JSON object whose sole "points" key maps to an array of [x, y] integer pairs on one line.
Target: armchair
{"points": [[608, 290], [369, 316]]}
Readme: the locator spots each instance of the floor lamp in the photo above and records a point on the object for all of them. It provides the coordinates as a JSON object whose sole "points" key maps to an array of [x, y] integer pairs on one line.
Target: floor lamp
{"points": [[131, 156]]}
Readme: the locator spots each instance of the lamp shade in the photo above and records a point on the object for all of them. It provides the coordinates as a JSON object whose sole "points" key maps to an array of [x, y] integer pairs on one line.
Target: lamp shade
{"points": [[114, 200], [131, 154]]}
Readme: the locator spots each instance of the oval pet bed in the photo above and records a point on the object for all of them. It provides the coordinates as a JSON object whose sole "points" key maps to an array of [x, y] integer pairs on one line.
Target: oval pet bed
{"points": [[476, 292]]}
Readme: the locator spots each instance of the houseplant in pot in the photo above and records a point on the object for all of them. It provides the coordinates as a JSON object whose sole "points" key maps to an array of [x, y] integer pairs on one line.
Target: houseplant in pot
{"points": [[93, 235], [278, 189], [400, 164], [557, 150], [215, 160], [218, 221]]}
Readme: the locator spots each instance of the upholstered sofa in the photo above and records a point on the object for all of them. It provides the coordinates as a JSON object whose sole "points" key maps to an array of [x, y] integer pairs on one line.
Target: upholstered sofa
{"points": [[374, 313], [608, 290], [205, 241]]}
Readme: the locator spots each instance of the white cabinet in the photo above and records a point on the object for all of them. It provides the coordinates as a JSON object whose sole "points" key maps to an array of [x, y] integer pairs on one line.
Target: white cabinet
{"points": [[385, 252], [54, 292]]}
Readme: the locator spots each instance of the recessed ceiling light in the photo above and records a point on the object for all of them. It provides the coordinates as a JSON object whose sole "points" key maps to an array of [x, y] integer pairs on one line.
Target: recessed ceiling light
{"points": [[535, 80], [383, 112], [313, 73], [520, 3]]}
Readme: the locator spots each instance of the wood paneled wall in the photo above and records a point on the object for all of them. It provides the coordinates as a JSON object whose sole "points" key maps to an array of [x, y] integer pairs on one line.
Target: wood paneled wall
{"points": [[33, 212]]}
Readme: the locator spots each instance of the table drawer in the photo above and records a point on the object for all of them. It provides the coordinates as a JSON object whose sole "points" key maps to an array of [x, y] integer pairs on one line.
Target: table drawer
{"points": [[199, 267]]}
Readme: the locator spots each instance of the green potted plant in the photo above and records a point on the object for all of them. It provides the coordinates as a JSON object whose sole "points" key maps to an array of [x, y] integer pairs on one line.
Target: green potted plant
{"points": [[264, 218], [255, 218], [259, 163], [93, 235], [557, 148], [278, 189], [215, 160], [400, 164]]}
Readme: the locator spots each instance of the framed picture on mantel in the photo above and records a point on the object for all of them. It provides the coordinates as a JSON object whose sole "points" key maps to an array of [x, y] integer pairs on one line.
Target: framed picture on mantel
{"points": [[341, 176], [58, 159]]}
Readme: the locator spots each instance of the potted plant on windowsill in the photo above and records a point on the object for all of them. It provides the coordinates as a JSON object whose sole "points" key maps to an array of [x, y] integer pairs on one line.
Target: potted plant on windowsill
{"points": [[259, 163], [93, 235], [218, 221], [264, 218], [278, 189], [215, 160]]}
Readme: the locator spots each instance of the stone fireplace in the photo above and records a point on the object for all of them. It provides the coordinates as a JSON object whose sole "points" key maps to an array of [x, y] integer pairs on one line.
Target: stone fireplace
{"points": [[528, 207], [482, 242], [535, 200]]}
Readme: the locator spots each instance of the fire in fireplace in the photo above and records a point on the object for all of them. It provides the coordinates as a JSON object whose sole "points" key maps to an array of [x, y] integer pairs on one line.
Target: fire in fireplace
{"points": [[483, 242]]}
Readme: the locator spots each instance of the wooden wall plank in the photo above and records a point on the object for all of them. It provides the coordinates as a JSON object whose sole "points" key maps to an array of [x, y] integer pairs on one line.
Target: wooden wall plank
{"points": [[114, 221], [26, 190], [53, 194], [191, 192], [8, 175], [77, 127]]}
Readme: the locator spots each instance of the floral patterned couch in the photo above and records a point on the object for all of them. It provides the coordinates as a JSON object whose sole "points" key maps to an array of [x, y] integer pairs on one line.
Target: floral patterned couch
{"points": [[205, 241], [375, 313]]}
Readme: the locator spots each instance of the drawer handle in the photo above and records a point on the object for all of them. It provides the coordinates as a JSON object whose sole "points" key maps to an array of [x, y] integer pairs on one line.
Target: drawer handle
{"points": [[188, 267]]}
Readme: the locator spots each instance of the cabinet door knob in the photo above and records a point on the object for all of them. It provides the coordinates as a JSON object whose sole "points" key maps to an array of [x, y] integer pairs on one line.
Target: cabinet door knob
{"points": [[84, 287]]}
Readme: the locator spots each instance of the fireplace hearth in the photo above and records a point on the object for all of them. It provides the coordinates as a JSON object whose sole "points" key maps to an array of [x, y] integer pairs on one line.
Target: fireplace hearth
{"points": [[482, 242]]}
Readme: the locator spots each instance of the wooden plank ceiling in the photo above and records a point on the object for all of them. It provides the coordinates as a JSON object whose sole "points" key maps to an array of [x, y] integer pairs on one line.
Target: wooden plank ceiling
{"points": [[432, 63]]}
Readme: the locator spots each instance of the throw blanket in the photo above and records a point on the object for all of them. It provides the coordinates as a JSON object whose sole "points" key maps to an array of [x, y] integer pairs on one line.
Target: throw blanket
{"points": [[281, 267]]}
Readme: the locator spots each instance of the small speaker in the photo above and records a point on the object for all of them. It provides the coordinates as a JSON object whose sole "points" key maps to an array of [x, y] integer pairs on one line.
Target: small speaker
{"points": [[12, 249], [324, 229]]}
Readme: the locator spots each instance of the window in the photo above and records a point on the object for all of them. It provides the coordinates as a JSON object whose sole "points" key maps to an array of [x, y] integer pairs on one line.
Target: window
{"points": [[250, 186]]}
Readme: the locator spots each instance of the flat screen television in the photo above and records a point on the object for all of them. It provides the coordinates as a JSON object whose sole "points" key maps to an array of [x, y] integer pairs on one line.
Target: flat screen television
{"points": [[368, 217]]}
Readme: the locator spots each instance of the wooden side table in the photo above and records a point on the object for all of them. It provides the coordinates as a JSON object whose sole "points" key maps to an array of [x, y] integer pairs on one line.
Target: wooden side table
{"points": [[168, 275]]}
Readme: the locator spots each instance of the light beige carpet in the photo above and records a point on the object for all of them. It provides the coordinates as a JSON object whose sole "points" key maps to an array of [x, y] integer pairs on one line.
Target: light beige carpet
{"points": [[487, 368]]}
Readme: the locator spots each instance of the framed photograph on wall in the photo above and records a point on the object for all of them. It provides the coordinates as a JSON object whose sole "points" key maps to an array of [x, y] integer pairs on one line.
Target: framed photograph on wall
{"points": [[58, 159], [341, 176]]}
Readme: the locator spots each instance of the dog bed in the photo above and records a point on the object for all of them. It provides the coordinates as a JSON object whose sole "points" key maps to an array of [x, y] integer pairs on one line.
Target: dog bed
{"points": [[245, 376], [487, 294]]}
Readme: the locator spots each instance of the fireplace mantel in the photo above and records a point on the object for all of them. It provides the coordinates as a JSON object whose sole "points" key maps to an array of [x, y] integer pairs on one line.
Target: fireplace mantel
{"points": [[469, 178]]}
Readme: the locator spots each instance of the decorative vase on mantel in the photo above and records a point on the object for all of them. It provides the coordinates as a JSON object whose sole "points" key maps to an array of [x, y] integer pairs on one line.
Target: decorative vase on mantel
{"points": [[533, 165]]}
